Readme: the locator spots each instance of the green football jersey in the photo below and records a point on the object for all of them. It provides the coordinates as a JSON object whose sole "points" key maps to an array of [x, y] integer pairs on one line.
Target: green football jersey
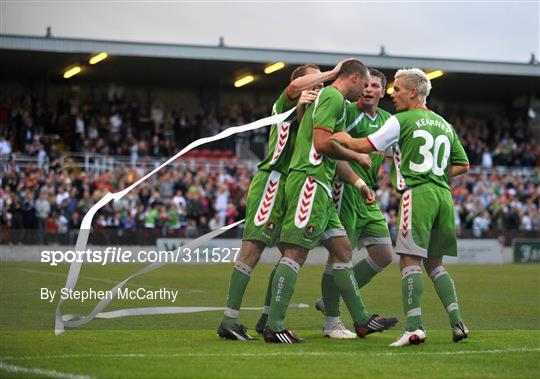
{"points": [[359, 125], [426, 146], [281, 139], [326, 112]]}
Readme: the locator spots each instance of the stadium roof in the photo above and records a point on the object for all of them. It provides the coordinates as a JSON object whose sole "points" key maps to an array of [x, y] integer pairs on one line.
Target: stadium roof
{"points": [[235, 54], [137, 62]]}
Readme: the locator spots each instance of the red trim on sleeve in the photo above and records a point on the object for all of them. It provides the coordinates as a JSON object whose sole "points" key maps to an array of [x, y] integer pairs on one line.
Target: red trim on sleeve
{"points": [[323, 128], [371, 143], [287, 97], [461, 164]]}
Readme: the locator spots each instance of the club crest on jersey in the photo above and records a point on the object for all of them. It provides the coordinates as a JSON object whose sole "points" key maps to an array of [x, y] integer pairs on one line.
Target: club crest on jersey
{"points": [[310, 230], [269, 229]]}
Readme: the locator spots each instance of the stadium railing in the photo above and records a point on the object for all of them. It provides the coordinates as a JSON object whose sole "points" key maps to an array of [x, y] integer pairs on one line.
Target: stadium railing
{"points": [[98, 163]]}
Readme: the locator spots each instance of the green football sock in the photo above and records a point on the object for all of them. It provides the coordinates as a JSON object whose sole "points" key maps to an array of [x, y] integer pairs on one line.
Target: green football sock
{"points": [[268, 296], [412, 285], [348, 288], [444, 285], [282, 291], [330, 293], [365, 270], [240, 276]]}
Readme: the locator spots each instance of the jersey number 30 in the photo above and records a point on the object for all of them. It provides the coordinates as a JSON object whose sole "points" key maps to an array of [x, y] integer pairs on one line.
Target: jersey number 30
{"points": [[430, 150]]}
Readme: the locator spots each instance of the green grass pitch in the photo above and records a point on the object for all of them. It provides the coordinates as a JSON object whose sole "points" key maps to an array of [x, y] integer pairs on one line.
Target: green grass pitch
{"points": [[500, 304]]}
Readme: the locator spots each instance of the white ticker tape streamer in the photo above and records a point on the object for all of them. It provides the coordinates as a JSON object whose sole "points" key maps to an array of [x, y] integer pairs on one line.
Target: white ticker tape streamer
{"points": [[72, 321], [167, 310]]}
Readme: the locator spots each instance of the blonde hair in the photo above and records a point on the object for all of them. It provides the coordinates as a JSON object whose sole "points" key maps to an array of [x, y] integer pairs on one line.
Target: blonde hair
{"points": [[416, 78]]}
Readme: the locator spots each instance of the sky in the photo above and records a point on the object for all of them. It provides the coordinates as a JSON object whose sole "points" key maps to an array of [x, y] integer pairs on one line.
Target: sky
{"points": [[506, 31]]}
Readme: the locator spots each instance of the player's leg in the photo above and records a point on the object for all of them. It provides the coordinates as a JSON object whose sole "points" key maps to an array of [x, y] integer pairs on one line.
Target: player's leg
{"points": [[444, 242], [372, 233], [412, 287], [344, 199], [259, 232], [328, 304], [444, 285], [272, 229], [339, 247], [250, 254], [282, 290], [415, 222], [379, 256], [303, 226], [261, 323]]}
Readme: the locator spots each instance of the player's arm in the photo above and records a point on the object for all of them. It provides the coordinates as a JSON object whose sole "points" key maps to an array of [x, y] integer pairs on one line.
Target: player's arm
{"points": [[458, 158], [324, 144], [347, 174], [307, 97], [459, 169], [387, 135], [302, 83]]}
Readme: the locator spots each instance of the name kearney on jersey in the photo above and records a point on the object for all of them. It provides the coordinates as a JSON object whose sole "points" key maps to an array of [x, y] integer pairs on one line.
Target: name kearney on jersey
{"points": [[430, 122]]}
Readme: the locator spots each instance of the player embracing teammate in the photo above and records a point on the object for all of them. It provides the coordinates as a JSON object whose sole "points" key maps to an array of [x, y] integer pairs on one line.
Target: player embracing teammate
{"points": [[292, 203], [427, 153], [266, 197], [364, 223]]}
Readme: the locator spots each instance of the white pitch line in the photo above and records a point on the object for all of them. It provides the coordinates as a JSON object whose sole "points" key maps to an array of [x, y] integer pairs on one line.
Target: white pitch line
{"points": [[281, 353], [41, 372]]}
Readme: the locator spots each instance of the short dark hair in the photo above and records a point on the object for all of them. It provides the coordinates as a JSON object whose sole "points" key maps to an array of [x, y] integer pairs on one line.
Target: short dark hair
{"points": [[353, 66], [378, 74], [301, 71]]}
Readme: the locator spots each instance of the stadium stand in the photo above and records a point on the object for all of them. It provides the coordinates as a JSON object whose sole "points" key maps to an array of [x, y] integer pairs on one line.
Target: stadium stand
{"points": [[62, 146]]}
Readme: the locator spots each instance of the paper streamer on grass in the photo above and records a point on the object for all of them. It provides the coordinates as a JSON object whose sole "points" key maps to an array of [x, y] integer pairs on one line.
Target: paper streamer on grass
{"points": [[167, 310], [86, 224]]}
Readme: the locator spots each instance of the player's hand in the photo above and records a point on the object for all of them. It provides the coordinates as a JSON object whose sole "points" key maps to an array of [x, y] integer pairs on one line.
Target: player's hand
{"points": [[368, 195], [308, 96], [342, 137], [363, 160], [337, 69]]}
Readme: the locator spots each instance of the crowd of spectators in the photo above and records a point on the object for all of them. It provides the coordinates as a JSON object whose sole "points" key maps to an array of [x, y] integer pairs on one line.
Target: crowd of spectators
{"points": [[47, 207], [118, 124], [53, 198], [487, 205], [183, 203], [114, 125], [495, 141]]}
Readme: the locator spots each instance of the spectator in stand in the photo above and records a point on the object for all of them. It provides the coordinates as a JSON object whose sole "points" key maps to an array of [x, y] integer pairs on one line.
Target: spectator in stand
{"points": [[51, 229], [43, 208], [192, 230], [221, 202], [215, 222], [481, 224]]}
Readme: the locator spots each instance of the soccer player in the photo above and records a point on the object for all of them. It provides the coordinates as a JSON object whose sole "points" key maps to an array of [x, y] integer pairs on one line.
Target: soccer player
{"points": [[265, 203], [311, 217], [365, 224], [427, 155]]}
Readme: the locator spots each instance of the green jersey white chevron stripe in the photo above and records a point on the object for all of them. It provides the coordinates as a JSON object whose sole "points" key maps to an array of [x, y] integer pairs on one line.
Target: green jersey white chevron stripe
{"points": [[282, 138], [427, 146], [328, 113]]}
